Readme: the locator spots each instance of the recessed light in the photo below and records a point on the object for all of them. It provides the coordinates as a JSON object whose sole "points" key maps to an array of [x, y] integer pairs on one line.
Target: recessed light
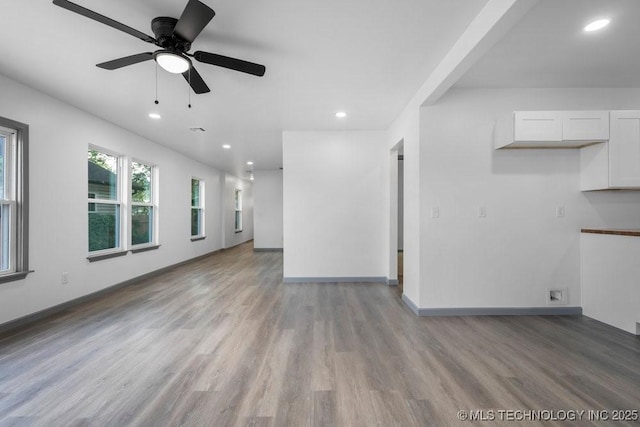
{"points": [[250, 163], [155, 116], [597, 25], [341, 114], [226, 146]]}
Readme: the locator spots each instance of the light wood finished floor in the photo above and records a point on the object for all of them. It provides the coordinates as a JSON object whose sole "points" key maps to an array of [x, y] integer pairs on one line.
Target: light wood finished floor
{"points": [[223, 341]]}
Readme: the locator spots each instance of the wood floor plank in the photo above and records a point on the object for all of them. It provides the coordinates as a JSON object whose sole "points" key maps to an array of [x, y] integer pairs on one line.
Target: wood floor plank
{"points": [[223, 341]]}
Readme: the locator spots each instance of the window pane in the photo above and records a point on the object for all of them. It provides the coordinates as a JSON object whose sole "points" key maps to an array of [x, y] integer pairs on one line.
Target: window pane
{"points": [[238, 220], [196, 223], [3, 143], [5, 237], [140, 183], [104, 227], [103, 179], [195, 192], [141, 224]]}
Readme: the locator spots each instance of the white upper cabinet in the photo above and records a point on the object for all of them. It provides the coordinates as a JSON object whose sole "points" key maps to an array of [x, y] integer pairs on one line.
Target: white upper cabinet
{"points": [[624, 149], [589, 126], [557, 129], [616, 164], [538, 126]]}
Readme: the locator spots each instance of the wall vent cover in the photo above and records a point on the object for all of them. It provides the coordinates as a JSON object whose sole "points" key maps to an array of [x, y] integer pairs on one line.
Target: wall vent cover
{"points": [[557, 296]]}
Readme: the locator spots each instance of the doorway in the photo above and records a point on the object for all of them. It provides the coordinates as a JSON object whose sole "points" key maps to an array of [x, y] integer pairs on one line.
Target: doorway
{"points": [[400, 217], [396, 215]]}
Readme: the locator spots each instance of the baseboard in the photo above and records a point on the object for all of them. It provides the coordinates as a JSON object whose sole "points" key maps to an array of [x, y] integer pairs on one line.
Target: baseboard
{"points": [[238, 244], [267, 249], [411, 304], [492, 311], [392, 282], [358, 279], [501, 311], [39, 315]]}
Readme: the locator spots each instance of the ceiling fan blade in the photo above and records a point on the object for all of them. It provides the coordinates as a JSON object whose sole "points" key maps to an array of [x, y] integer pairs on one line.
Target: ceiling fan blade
{"points": [[127, 60], [194, 18], [195, 81], [104, 20], [231, 63]]}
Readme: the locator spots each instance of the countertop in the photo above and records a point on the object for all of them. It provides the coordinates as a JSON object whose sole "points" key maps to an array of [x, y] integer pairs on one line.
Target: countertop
{"points": [[615, 231]]}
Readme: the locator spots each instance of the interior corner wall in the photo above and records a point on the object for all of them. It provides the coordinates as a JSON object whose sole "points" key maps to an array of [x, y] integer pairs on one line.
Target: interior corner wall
{"points": [[59, 136], [267, 209], [334, 204], [520, 249], [231, 236]]}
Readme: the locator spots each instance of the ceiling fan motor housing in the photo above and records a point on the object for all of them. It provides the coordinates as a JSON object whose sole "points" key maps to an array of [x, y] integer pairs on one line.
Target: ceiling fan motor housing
{"points": [[162, 28]]}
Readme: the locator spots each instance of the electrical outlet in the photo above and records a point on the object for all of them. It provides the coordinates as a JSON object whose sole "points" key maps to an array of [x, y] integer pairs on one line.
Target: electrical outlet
{"points": [[482, 212], [435, 212], [560, 212], [65, 278]]}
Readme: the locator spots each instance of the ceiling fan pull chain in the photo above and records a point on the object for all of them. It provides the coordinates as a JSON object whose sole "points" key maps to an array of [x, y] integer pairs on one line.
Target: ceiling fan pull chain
{"points": [[189, 88], [157, 102]]}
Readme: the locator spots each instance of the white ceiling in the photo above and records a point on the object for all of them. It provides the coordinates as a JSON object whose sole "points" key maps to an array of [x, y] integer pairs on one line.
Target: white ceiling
{"points": [[549, 48], [366, 57]]}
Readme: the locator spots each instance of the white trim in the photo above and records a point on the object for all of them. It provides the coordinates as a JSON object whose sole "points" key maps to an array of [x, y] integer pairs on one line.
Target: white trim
{"points": [[237, 202], [121, 207], [9, 178], [200, 207], [153, 204]]}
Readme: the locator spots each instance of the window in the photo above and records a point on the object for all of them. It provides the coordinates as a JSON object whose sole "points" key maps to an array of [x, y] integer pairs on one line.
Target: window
{"points": [[197, 208], [114, 213], [238, 200], [143, 208], [105, 204], [14, 199]]}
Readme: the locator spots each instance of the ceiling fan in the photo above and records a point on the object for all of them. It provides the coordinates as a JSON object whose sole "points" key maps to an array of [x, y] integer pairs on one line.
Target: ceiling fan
{"points": [[174, 37]]}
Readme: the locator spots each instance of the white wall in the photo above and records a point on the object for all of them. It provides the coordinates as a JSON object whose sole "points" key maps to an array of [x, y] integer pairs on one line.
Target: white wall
{"points": [[267, 209], [520, 249], [231, 237], [334, 210], [59, 138]]}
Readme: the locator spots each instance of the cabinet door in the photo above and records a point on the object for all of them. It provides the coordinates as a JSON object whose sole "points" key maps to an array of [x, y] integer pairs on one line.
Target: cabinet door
{"points": [[624, 149], [537, 126], [592, 126]]}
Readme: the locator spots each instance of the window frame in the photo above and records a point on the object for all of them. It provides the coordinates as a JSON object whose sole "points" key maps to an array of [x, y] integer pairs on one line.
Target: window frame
{"points": [[120, 202], [16, 172], [153, 204], [200, 207], [237, 194]]}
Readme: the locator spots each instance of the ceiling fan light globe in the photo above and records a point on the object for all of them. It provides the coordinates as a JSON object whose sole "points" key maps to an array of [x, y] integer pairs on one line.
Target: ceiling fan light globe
{"points": [[172, 62]]}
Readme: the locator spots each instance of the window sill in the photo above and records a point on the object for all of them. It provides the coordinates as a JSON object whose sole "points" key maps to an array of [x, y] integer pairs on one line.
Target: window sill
{"points": [[197, 238], [144, 249], [94, 258], [238, 231], [12, 277]]}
